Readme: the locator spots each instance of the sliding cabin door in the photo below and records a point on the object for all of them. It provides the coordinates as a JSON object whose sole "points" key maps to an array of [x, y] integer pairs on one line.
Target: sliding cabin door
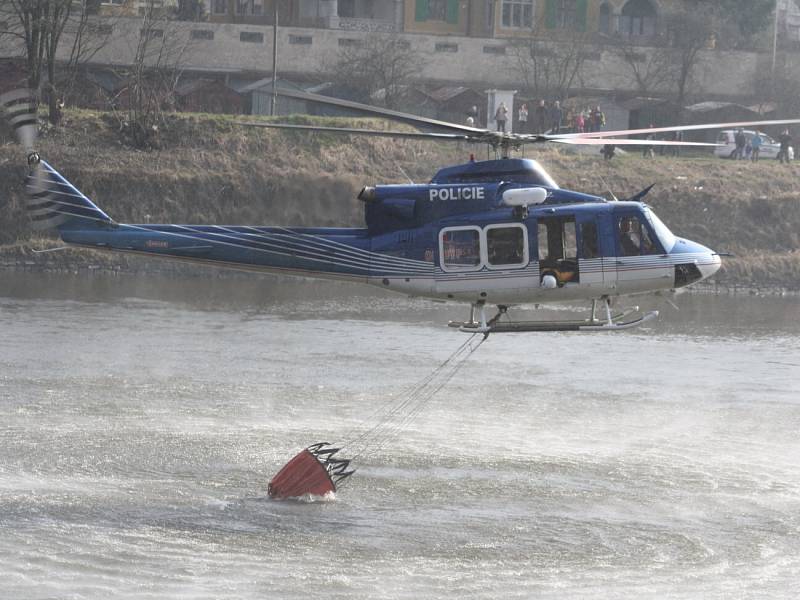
{"points": [[558, 249]]}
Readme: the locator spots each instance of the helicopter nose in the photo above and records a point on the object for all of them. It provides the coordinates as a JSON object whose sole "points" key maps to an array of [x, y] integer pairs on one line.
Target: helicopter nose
{"points": [[710, 264], [694, 262]]}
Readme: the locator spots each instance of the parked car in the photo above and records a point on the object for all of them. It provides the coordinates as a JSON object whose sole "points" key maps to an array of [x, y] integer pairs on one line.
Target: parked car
{"points": [[769, 148]]}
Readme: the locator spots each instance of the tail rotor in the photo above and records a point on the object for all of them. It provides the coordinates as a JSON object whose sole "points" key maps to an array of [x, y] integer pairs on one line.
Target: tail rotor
{"points": [[20, 110], [52, 200]]}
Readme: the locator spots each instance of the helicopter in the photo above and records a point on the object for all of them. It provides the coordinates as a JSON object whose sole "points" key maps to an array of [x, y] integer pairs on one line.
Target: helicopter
{"points": [[496, 232]]}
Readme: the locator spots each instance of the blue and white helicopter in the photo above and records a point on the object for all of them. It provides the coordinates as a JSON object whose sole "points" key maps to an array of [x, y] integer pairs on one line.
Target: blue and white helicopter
{"points": [[495, 232]]}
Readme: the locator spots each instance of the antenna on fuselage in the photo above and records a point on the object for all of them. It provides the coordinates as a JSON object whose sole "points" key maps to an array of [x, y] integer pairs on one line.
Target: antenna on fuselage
{"points": [[610, 191]]}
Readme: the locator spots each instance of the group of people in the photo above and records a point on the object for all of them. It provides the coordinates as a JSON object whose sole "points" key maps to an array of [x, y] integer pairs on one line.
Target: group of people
{"points": [[546, 118], [749, 147]]}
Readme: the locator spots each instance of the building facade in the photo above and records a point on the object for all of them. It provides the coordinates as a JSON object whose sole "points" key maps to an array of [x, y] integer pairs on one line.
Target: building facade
{"points": [[635, 19]]}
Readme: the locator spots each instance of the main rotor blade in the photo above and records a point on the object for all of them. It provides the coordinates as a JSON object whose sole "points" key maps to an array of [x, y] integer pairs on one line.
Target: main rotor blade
{"points": [[422, 122], [357, 131], [605, 134], [626, 142]]}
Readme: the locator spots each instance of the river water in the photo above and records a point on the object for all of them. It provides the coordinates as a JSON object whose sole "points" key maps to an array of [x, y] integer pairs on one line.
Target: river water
{"points": [[141, 418]]}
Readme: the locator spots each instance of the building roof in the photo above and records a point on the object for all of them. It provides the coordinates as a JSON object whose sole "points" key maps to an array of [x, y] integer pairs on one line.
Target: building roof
{"points": [[642, 102], [443, 94], [265, 85], [193, 85], [703, 107]]}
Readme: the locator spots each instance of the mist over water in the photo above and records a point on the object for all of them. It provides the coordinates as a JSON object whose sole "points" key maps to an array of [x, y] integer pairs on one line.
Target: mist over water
{"points": [[141, 419]]}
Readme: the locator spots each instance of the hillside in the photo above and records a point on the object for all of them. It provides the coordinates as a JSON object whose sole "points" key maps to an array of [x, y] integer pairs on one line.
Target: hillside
{"points": [[210, 170]]}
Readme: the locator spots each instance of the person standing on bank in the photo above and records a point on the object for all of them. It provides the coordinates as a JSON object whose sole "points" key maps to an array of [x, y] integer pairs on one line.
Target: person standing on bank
{"points": [[597, 118], [755, 144], [522, 118], [785, 139], [501, 115], [740, 139], [556, 117], [541, 117]]}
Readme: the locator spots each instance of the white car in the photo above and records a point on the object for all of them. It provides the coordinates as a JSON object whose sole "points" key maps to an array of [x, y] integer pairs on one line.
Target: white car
{"points": [[769, 147]]}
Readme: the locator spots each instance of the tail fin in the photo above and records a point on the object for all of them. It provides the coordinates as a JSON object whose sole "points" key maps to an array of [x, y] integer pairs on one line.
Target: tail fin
{"points": [[54, 202]]}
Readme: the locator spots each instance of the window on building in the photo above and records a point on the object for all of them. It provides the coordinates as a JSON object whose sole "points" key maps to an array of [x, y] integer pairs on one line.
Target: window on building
{"points": [[250, 8], [518, 13], [256, 37], [152, 33], [437, 10], [202, 34], [219, 7], [604, 24], [346, 8], [638, 18], [566, 14], [445, 47]]}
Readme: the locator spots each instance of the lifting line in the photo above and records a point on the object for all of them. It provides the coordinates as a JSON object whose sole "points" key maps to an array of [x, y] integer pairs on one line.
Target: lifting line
{"points": [[318, 470], [395, 415]]}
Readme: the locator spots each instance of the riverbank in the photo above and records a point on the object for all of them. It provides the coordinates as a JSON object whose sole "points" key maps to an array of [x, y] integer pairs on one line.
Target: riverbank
{"points": [[210, 170]]}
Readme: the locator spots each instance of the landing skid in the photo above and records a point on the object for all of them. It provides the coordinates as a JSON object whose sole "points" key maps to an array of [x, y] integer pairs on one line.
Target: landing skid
{"points": [[616, 322]]}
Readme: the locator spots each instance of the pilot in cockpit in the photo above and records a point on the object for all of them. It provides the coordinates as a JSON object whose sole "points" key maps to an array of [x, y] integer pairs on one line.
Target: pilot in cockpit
{"points": [[629, 237]]}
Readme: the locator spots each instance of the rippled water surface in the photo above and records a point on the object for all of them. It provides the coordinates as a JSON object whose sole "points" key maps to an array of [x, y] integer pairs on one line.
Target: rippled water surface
{"points": [[140, 420]]}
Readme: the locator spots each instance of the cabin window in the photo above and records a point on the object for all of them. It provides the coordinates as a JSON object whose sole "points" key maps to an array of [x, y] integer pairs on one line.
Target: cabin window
{"points": [[506, 246], [460, 248], [590, 248], [634, 237]]}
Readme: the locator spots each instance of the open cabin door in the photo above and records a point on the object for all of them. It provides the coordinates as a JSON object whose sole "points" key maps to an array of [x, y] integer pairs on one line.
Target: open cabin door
{"points": [[558, 249]]}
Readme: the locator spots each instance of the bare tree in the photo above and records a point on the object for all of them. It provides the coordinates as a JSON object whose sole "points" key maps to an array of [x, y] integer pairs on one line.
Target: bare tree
{"points": [[650, 69], [380, 65], [43, 27], [40, 24], [551, 69], [689, 32], [153, 75]]}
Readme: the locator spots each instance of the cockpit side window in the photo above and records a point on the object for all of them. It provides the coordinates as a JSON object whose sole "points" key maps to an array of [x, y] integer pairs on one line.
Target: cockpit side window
{"points": [[635, 238]]}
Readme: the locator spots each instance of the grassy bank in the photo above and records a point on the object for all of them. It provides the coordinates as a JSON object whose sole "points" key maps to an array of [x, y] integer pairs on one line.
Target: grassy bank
{"points": [[210, 170]]}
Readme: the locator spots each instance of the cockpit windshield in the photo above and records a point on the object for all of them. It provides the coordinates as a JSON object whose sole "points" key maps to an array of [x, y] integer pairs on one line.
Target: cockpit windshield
{"points": [[664, 235]]}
